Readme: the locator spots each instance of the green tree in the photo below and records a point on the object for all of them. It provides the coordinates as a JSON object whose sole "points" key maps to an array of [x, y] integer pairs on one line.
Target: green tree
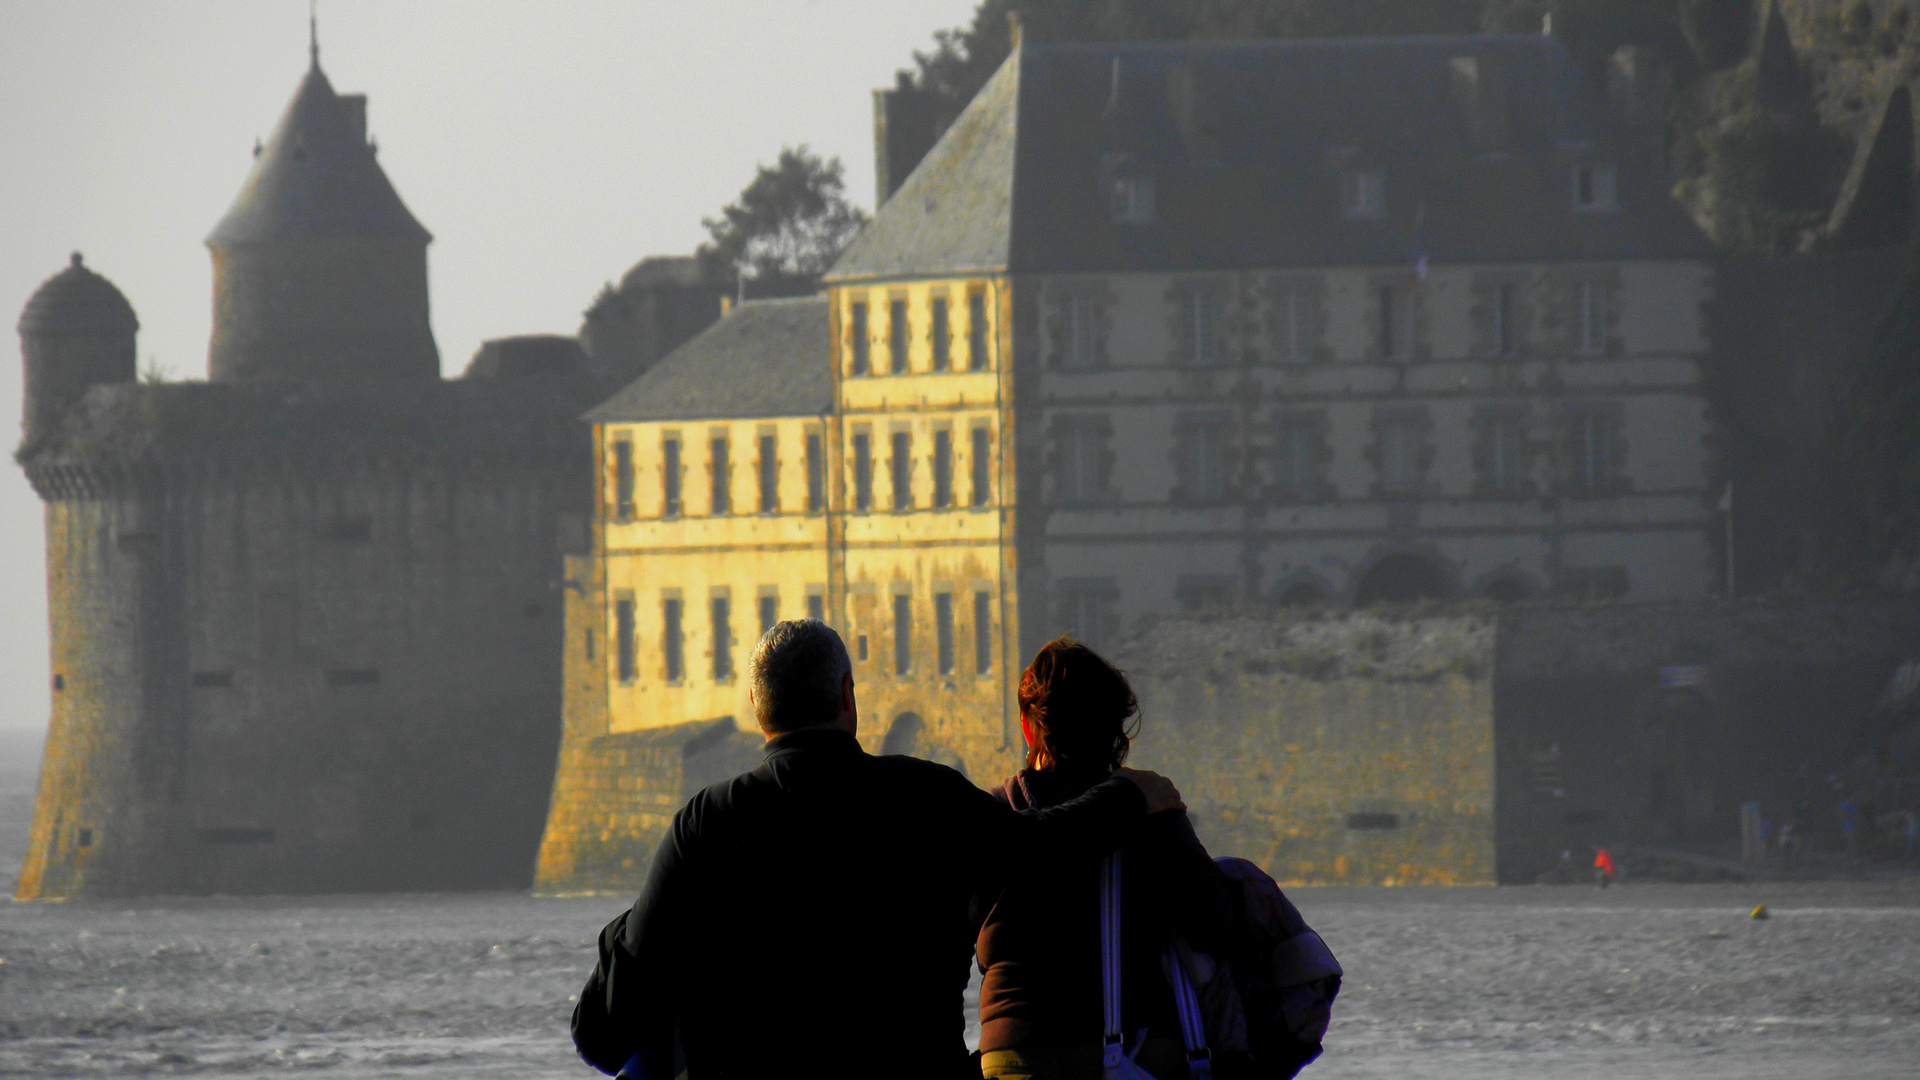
{"points": [[786, 228], [1874, 460]]}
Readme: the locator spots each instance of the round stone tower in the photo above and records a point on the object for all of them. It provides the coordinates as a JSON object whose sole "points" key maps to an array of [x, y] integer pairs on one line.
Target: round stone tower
{"points": [[77, 331], [319, 270]]}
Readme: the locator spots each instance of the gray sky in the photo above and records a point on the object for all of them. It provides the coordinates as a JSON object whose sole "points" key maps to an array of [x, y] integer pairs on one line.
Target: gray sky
{"points": [[547, 144]]}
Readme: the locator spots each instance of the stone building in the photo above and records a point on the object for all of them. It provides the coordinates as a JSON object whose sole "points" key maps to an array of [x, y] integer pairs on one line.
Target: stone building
{"points": [[304, 615], [1164, 328]]}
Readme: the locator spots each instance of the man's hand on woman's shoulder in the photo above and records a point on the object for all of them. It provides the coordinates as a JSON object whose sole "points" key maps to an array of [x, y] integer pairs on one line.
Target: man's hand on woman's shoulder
{"points": [[1160, 792]]}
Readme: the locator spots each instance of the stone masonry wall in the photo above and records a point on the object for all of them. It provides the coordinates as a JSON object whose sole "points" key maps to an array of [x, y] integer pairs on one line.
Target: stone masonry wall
{"points": [[1330, 750]]}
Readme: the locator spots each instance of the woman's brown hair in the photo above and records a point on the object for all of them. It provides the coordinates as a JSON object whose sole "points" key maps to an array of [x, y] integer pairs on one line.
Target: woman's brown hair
{"points": [[1080, 711]]}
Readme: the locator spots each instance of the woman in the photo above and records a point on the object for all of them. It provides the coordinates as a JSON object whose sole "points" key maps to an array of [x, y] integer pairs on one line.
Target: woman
{"points": [[1039, 946]]}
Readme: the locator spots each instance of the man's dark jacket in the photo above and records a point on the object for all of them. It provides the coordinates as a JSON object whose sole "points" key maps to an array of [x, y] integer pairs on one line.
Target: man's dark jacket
{"points": [[812, 917]]}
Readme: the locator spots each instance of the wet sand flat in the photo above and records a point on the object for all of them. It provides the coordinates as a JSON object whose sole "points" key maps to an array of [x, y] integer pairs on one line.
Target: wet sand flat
{"points": [[1647, 980]]}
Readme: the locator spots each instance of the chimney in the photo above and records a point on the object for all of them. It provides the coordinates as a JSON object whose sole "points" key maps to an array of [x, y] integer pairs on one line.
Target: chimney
{"points": [[902, 135], [354, 108], [1480, 93]]}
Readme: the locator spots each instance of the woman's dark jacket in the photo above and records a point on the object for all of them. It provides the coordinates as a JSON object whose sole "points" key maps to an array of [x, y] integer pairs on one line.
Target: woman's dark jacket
{"points": [[1039, 946]]}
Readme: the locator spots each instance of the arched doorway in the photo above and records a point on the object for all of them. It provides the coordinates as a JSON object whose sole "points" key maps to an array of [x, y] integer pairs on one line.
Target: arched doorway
{"points": [[1402, 579], [908, 736], [903, 735]]}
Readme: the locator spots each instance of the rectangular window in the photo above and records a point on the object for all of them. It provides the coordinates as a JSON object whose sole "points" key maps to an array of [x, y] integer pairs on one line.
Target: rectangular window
{"points": [[625, 657], [1502, 298], [1291, 335], [1400, 455], [1595, 187], [1363, 193], [897, 337], [670, 477], [722, 610], [1079, 459], [982, 632], [1506, 450], [901, 467], [721, 501], [817, 607], [943, 628], [982, 463], [769, 475], [671, 638], [1296, 454], [942, 344], [769, 612], [1204, 460], [1385, 337], [902, 633], [1075, 315], [977, 330], [862, 472], [861, 339], [816, 473], [623, 480], [1084, 607], [942, 469], [1593, 451], [1132, 200], [1590, 321], [1197, 329]]}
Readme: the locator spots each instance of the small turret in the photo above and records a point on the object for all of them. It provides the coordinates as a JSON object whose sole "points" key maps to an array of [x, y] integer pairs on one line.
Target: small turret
{"points": [[319, 270], [77, 331]]}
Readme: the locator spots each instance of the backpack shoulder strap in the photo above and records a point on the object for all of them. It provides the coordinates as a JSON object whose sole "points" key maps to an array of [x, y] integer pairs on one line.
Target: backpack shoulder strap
{"points": [[1113, 1048]]}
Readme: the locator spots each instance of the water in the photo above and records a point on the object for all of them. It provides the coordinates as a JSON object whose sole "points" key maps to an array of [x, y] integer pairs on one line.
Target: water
{"points": [[1645, 981]]}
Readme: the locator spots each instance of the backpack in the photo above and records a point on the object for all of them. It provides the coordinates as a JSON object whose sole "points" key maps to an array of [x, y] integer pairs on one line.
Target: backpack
{"points": [[1264, 1011]]}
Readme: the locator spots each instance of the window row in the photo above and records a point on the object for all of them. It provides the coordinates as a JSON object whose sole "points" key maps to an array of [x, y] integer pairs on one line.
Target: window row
{"points": [[1292, 459], [766, 467], [900, 321], [900, 464], [673, 629], [1131, 193], [1507, 318]]}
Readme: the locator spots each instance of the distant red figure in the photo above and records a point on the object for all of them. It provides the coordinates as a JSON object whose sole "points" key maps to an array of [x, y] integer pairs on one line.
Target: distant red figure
{"points": [[1603, 868]]}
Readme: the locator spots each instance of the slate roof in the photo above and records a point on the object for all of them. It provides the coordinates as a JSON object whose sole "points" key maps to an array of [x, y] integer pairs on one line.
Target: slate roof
{"points": [[77, 301], [765, 358], [316, 177], [1246, 142]]}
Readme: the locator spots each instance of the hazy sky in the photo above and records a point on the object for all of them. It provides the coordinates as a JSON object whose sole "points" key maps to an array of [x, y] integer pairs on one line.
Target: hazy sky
{"points": [[547, 144]]}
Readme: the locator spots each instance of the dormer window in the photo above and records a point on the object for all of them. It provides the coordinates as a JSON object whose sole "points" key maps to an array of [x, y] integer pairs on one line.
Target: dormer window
{"points": [[1131, 200], [1595, 186], [1363, 193]]}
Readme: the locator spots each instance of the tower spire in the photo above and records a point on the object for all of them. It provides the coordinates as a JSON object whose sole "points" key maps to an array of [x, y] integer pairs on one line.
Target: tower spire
{"points": [[313, 32]]}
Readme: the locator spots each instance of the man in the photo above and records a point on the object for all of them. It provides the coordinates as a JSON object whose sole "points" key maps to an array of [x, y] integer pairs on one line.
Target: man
{"points": [[811, 918]]}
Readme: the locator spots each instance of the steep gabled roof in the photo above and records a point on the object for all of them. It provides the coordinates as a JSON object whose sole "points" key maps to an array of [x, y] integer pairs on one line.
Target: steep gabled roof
{"points": [[316, 177], [1246, 144], [954, 212], [766, 358]]}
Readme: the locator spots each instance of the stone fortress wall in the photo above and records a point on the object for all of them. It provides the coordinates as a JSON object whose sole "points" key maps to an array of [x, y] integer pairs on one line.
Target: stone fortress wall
{"points": [[1440, 745]]}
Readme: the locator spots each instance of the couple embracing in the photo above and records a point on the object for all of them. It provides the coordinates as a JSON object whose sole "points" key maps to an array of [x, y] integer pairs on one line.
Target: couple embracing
{"points": [[817, 916]]}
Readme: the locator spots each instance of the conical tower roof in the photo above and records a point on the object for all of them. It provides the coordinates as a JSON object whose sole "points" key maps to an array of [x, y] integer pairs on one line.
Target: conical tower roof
{"points": [[316, 178], [78, 302]]}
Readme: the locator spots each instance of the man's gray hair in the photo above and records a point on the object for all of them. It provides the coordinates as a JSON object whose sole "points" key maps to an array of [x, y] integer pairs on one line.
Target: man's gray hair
{"points": [[797, 670]]}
